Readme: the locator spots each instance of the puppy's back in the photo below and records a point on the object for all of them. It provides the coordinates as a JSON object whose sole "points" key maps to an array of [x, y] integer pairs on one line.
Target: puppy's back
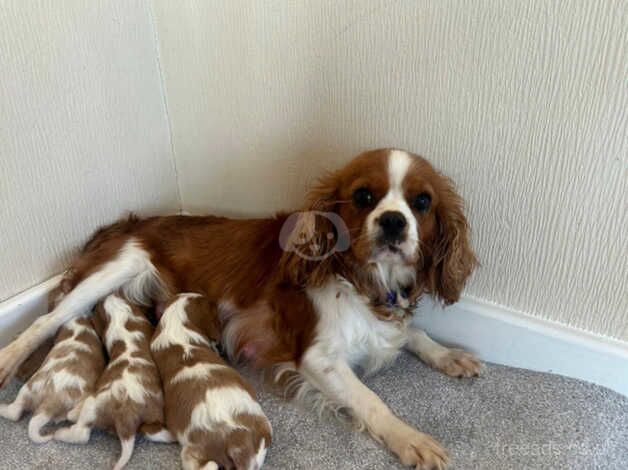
{"points": [[220, 420]]}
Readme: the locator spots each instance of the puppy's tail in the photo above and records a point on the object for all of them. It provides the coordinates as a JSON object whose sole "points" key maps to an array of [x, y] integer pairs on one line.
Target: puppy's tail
{"points": [[128, 445], [35, 426], [126, 428]]}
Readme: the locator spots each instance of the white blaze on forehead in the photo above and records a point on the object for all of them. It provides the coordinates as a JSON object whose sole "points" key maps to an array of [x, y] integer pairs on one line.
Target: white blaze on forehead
{"points": [[398, 164]]}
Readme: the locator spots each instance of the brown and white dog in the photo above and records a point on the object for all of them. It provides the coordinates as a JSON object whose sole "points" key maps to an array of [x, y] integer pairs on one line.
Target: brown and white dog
{"points": [[68, 373], [380, 232], [209, 407], [128, 393]]}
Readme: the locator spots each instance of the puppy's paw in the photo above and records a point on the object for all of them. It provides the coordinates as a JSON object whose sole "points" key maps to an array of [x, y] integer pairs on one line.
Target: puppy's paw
{"points": [[11, 412], [458, 363], [417, 449], [75, 434]]}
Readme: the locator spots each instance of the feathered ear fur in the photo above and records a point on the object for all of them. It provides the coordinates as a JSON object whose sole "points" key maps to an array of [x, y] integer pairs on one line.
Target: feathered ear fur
{"points": [[99, 323], [453, 259], [310, 237]]}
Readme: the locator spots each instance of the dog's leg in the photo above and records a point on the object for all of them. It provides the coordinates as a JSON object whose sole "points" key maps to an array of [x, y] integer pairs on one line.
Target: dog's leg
{"points": [[80, 431], [190, 461], [453, 362], [74, 413], [75, 434], [15, 410], [157, 432], [131, 262], [335, 379]]}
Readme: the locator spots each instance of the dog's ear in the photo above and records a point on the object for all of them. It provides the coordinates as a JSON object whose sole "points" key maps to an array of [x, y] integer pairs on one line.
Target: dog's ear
{"points": [[452, 259], [324, 194], [309, 237], [99, 320], [34, 361]]}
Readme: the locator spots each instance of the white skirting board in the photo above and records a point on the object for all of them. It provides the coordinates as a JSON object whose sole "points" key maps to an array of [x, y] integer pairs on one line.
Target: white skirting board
{"points": [[504, 336], [495, 333], [21, 310]]}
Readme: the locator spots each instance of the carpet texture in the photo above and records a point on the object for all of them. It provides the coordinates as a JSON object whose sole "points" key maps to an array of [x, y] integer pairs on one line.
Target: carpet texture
{"points": [[506, 419]]}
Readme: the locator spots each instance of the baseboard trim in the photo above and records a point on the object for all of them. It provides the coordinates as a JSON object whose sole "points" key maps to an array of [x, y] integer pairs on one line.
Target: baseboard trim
{"points": [[494, 332], [504, 336], [19, 311]]}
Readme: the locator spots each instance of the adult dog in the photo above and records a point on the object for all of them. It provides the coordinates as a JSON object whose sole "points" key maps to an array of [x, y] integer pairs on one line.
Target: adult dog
{"points": [[319, 292]]}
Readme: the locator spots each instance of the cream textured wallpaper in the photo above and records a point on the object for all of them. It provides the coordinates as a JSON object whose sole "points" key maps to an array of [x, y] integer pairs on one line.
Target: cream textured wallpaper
{"points": [[524, 104], [83, 129]]}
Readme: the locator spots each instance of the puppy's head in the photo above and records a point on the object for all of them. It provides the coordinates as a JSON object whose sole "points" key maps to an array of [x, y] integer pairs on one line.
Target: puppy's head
{"points": [[399, 218]]}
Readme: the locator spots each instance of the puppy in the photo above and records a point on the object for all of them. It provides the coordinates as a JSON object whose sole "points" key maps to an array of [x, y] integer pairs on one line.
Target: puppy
{"points": [[209, 407], [36, 359], [68, 374], [129, 391]]}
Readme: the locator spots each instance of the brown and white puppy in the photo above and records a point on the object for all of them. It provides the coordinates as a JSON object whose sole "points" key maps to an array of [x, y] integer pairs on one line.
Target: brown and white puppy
{"points": [[129, 391], [209, 407], [31, 365], [380, 232], [66, 376]]}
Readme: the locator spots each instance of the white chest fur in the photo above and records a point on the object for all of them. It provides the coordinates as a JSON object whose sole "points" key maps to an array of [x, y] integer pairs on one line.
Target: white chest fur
{"points": [[348, 329]]}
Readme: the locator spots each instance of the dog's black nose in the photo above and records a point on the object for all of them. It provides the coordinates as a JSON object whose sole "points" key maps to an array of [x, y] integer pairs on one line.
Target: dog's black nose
{"points": [[392, 223]]}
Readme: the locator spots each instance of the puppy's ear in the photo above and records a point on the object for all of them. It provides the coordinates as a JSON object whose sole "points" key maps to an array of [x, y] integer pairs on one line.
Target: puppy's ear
{"points": [[453, 259], [99, 320], [204, 315], [34, 361], [309, 236]]}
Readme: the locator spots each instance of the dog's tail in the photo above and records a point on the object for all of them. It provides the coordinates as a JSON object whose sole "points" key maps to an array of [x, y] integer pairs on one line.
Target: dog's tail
{"points": [[35, 425], [128, 445]]}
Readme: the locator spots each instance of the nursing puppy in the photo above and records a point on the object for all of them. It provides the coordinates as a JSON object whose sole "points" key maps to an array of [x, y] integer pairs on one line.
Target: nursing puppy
{"points": [[129, 391], [209, 407], [66, 376]]}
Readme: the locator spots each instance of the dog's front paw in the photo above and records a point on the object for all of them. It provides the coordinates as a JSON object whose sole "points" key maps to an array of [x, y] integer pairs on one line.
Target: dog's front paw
{"points": [[458, 363], [417, 449]]}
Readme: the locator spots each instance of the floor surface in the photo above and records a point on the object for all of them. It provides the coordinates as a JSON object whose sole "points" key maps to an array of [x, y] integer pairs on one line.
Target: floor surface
{"points": [[506, 419]]}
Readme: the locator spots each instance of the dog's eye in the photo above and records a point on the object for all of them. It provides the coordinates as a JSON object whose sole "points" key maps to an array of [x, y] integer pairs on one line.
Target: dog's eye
{"points": [[422, 202], [363, 197]]}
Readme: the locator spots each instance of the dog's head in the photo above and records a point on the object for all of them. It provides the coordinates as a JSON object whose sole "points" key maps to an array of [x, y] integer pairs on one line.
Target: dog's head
{"points": [[389, 213]]}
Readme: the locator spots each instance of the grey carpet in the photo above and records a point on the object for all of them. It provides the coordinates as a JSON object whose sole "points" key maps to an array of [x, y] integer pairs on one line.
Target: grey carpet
{"points": [[507, 419]]}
